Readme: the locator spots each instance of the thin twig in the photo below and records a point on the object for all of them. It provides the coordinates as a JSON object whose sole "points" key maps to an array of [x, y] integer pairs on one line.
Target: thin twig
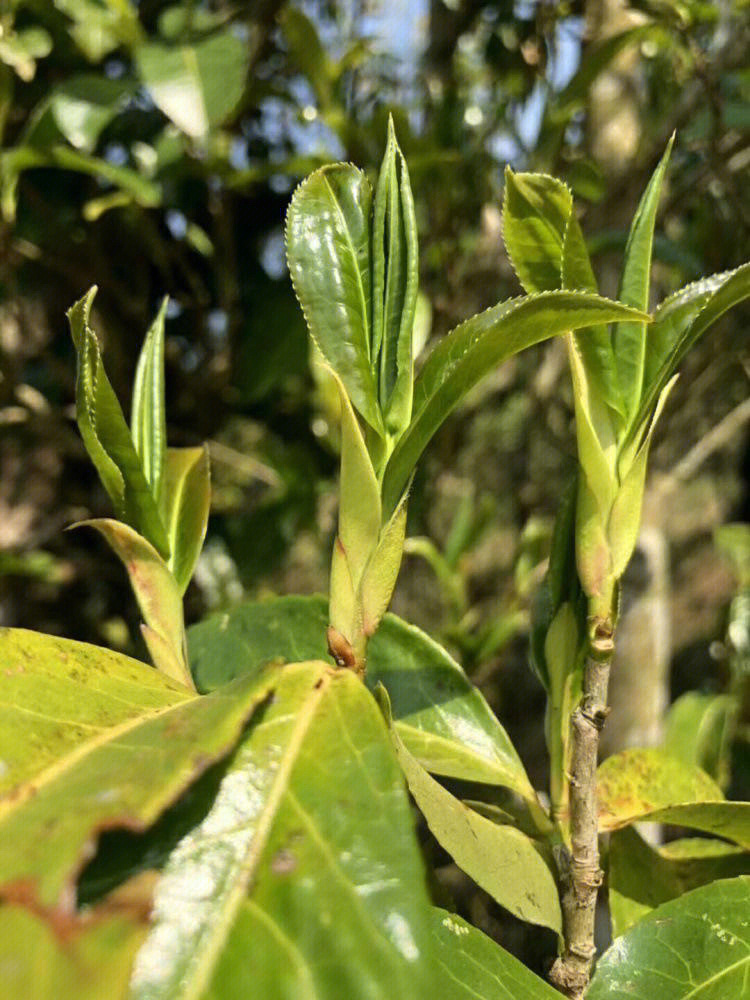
{"points": [[580, 872]]}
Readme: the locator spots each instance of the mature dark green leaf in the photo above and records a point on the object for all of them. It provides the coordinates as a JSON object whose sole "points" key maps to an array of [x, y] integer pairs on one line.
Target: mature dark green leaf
{"points": [[699, 729], [500, 859], [648, 784], [196, 86], [441, 717], [148, 418], [328, 250], [395, 282], [680, 321], [305, 878], [692, 948], [474, 349], [630, 344], [473, 967], [109, 742], [642, 877], [106, 434]]}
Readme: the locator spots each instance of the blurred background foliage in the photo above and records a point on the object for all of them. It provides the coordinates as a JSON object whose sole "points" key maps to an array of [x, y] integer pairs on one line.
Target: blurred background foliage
{"points": [[152, 147]]}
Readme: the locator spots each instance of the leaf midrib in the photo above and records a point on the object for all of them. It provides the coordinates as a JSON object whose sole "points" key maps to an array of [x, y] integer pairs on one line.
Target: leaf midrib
{"points": [[360, 287], [201, 972], [718, 975], [59, 767]]}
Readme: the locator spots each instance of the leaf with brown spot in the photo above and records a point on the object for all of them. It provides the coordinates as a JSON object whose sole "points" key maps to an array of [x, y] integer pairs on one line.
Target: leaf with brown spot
{"points": [[304, 879], [640, 785], [90, 962], [91, 740]]}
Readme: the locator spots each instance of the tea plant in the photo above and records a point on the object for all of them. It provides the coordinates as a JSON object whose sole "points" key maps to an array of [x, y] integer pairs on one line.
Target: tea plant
{"points": [[271, 850]]}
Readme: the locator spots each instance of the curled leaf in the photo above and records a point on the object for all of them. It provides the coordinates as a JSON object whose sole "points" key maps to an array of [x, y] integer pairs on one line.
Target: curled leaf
{"points": [[157, 594], [106, 434]]}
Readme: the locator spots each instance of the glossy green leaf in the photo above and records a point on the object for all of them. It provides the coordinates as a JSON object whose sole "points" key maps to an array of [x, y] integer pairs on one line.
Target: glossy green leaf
{"points": [[648, 784], [148, 419], [500, 859], [474, 349], [536, 209], [185, 505], [692, 948], [45, 956], [157, 593], [328, 251], [680, 321], [305, 878], [642, 877], [441, 717], [106, 434], [395, 282], [698, 730], [630, 343], [473, 967], [109, 742], [196, 86], [560, 584], [548, 251]]}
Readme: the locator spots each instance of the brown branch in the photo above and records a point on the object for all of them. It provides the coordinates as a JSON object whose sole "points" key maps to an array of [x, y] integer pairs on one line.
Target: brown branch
{"points": [[580, 873]]}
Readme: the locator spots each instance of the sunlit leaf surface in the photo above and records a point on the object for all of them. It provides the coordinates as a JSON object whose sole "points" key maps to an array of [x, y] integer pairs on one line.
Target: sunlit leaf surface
{"points": [[91, 740], [50, 958], [441, 717], [500, 859], [304, 879], [474, 349], [696, 947], [473, 967], [196, 86]]}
